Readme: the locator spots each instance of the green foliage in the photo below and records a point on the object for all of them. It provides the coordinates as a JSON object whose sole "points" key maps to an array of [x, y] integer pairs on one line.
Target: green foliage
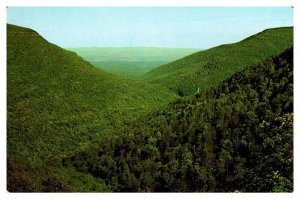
{"points": [[19, 180], [58, 103], [206, 69], [237, 136], [73, 127], [129, 69], [132, 62]]}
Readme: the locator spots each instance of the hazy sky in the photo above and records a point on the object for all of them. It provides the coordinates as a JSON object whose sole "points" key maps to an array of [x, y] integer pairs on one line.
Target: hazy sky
{"points": [[194, 27]]}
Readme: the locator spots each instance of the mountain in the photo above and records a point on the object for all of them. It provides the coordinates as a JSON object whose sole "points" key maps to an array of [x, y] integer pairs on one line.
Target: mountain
{"points": [[205, 69], [72, 127], [236, 137], [57, 102], [131, 62]]}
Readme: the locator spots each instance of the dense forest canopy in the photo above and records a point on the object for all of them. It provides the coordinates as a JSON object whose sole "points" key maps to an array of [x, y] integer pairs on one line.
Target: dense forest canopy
{"points": [[73, 127], [237, 136], [207, 68], [57, 102]]}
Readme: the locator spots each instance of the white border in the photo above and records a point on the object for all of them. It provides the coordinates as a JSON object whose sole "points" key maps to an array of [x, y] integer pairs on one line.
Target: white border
{"points": [[149, 2], [3, 98], [184, 3]]}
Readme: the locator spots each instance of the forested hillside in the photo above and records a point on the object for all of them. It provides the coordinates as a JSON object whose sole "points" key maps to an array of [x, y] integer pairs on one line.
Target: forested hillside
{"points": [[205, 69], [235, 137], [72, 127], [57, 102]]}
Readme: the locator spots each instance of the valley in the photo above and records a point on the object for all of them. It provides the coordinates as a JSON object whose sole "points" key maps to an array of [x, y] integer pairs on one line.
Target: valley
{"points": [[150, 119], [132, 62]]}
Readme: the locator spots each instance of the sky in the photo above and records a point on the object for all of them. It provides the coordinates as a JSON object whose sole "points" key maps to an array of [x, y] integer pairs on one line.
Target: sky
{"points": [[175, 27]]}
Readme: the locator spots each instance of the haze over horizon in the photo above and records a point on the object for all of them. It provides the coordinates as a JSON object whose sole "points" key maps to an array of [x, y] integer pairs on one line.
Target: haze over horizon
{"points": [[171, 27]]}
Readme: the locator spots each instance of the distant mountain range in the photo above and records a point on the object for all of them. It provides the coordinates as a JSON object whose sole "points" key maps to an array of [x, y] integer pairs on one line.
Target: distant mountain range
{"points": [[131, 62]]}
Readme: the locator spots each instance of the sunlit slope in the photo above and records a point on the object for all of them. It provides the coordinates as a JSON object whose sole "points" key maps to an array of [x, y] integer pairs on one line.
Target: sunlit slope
{"points": [[207, 68], [56, 100]]}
